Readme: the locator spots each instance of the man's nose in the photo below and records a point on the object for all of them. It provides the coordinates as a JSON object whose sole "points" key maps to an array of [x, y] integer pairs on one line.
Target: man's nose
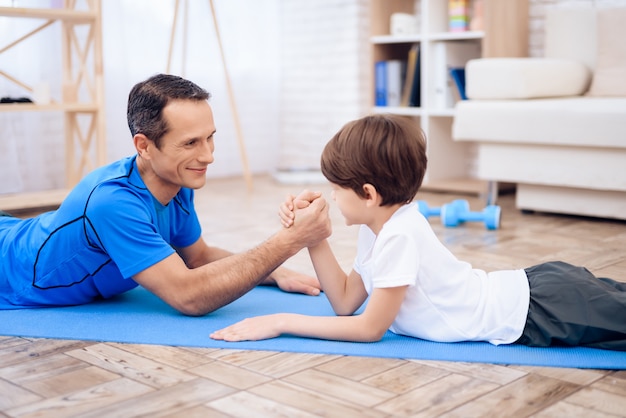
{"points": [[206, 154]]}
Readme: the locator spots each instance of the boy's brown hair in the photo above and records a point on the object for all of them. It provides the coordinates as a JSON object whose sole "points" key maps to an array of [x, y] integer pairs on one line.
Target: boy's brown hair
{"points": [[386, 151]]}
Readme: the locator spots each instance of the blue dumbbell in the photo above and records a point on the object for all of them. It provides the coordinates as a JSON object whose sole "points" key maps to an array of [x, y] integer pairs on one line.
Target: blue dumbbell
{"points": [[427, 211], [453, 215]]}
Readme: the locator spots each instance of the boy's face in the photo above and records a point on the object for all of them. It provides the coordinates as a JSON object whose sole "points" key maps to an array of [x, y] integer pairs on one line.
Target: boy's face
{"points": [[351, 205]]}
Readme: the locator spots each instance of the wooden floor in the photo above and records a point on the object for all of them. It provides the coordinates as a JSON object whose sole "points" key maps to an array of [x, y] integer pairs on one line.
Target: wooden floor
{"points": [[56, 378]]}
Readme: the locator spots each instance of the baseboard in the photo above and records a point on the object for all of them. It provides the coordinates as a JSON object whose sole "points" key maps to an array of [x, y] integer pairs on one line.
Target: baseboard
{"points": [[299, 177]]}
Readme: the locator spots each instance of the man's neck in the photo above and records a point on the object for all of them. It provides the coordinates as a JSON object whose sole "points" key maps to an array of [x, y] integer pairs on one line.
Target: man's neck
{"points": [[162, 191]]}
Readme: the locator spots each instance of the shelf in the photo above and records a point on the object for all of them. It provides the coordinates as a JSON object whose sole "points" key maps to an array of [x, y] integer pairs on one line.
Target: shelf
{"points": [[404, 111], [469, 186], [53, 107], [31, 200], [68, 15], [441, 113], [395, 39], [438, 36], [454, 36]]}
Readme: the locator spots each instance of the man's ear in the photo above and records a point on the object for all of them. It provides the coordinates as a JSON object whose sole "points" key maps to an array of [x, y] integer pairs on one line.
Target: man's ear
{"points": [[371, 195], [142, 145]]}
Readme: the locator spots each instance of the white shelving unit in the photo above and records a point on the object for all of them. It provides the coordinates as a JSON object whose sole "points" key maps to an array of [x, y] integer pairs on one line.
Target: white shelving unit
{"points": [[450, 162]]}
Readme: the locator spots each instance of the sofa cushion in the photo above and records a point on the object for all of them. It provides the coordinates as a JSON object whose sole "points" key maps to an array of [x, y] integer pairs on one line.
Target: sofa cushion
{"points": [[609, 78], [579, 121], [525, 78]]}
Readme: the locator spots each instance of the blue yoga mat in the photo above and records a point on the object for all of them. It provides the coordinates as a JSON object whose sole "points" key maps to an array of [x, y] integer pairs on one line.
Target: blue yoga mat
{"points": [[140, 317]]}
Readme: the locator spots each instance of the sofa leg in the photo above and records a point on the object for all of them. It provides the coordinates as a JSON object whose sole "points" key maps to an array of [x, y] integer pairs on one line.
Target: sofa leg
{"points": [[492, 192]]}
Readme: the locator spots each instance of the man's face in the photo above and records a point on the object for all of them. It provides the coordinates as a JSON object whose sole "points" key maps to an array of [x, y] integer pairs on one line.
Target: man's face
{"points": [[187, 149]]}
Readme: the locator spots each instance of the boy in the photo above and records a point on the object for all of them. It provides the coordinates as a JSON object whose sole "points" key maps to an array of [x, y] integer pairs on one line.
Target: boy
{"points": [[416, 286]]}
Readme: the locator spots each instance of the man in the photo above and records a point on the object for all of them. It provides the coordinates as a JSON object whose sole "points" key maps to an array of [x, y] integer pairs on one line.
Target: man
{"points": [[133, 222]]}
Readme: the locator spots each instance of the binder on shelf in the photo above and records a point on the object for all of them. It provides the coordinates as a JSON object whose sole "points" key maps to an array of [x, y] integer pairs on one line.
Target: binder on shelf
{"points": [[446, 55], [389, 80], [458, 75], [396, 70], [416, 90], [380, 79], [411, 89]]}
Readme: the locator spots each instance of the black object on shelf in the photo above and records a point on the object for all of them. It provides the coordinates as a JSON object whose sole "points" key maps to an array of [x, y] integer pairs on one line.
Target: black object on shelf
{"points": [[15, 100]]}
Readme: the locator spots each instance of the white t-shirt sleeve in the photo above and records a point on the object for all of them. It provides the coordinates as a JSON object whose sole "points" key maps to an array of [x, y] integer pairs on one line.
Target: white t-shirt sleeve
{"points": [[389, 260]]}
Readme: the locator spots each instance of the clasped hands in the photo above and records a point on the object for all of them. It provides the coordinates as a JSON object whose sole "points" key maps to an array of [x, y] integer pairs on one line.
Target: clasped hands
{"points": [[292, 204], [306, 223], [307, 213]]}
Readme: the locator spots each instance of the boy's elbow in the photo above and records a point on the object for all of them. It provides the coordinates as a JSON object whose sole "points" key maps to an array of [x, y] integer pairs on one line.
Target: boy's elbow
{"points": [[375, 335], [371, 332], [343, 312]]}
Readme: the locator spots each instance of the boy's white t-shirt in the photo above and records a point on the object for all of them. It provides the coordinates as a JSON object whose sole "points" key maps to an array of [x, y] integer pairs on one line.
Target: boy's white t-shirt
{"points": [[447, 300]]}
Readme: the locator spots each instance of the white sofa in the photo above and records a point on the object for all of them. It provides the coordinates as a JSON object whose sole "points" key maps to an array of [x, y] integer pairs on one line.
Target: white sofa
{"points": [[555, 126]]}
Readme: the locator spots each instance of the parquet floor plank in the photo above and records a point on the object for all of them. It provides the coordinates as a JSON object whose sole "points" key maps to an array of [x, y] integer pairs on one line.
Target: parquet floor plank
{"points": [[597, 401], [313, 401], [230, 375], [246, 404], [12, 395], [438, 397], [523, 397], [132, 366], [340, 387], [167, 400], [177, 357], [93, 398]]}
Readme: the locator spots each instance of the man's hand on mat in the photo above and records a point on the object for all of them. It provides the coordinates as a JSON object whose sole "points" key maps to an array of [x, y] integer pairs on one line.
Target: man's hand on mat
{"points": [[291, 203], [251, 329], [294, 282]]}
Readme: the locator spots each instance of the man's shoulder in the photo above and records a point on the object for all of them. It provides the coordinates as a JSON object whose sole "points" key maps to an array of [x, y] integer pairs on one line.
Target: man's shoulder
{"points": [[110, 185], [124, 170]]}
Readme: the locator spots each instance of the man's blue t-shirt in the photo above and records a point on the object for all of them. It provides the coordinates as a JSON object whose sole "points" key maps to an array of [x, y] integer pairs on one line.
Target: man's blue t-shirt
{"points": [[108, 229]]}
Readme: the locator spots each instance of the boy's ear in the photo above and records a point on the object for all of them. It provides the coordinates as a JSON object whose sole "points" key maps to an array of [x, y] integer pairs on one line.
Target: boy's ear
{"points": [[371, 195], [142, 145]]}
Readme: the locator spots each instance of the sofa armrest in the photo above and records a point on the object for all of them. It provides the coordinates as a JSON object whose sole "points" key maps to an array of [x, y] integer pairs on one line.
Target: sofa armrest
{"points": [[525, 78]]}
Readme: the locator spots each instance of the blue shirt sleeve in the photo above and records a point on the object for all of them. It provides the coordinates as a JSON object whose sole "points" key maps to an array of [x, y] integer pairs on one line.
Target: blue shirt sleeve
{"points": [[126, 224]]}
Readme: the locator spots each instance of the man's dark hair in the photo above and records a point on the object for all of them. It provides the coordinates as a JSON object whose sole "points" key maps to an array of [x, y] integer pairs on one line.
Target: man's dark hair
{"points": [[386, 151], [147, 99]]}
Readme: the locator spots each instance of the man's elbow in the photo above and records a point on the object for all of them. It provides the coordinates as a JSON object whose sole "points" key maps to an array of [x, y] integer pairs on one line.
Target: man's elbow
{"points": [[187, 311], [192, 307]]}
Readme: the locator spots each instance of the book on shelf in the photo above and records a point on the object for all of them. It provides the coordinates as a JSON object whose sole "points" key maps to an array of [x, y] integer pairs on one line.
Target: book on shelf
{"points": [[389, 79], [447, 55], [380, 81], [411, 90], [458, 15], [458, 76]]}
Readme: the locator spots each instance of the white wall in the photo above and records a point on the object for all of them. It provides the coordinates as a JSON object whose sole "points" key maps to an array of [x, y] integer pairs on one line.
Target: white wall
{"points": [[325, 65], [537, 12], [136, 44]]}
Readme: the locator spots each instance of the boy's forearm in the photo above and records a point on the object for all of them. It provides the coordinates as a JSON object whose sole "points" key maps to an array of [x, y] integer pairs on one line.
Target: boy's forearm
{"points": [[331, 276], [339, 328]]}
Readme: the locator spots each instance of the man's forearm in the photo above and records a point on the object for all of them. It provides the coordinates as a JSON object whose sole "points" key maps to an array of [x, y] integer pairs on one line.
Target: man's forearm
{"points": [[221, 282]]}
